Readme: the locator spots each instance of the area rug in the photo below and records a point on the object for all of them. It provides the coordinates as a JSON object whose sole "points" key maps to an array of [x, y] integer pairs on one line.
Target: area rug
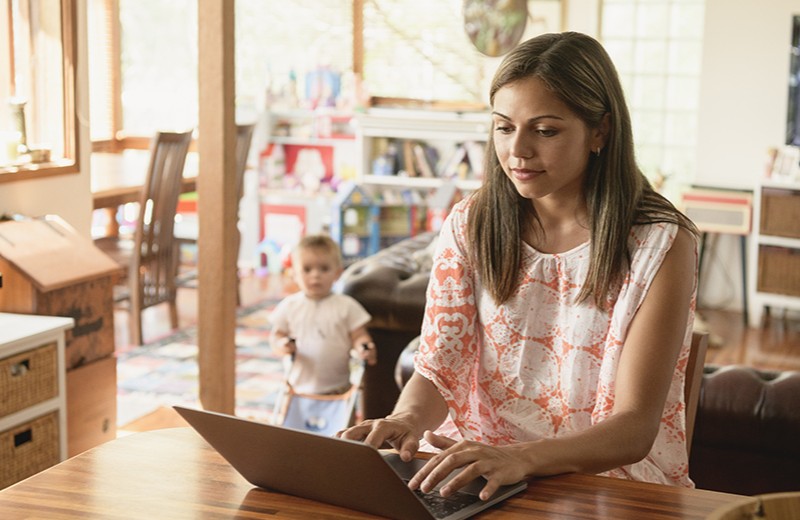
{"points": [[164, 372]]}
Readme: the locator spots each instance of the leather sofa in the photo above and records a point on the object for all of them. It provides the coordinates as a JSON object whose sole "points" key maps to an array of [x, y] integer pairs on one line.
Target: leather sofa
{"points": [[747, 429], [391, 286]]}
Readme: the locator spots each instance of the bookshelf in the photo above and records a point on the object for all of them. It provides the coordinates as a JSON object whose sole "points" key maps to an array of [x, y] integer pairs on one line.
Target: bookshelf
{"points": [[449, 140]]}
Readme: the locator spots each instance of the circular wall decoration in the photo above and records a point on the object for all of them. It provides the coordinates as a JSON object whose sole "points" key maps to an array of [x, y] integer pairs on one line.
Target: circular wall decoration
{"points": [[495, 26]]}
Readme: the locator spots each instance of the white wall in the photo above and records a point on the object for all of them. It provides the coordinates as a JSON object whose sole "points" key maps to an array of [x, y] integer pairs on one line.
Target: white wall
{"points": [[744, 88], [743, 101], [69, 195]]}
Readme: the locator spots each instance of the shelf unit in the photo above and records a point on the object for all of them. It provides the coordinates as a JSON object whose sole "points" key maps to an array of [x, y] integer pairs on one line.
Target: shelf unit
{"points": [[775, 252], [325, 135], [443, 130], [33, 422]]}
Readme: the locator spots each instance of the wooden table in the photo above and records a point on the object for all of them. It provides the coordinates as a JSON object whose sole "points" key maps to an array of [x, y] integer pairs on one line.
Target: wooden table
{"points": [[117, 178], [174, 474]]}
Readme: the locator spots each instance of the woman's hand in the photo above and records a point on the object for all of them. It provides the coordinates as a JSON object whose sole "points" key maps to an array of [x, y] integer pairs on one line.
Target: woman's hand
{"points": [[395, 430], [498, 465]]}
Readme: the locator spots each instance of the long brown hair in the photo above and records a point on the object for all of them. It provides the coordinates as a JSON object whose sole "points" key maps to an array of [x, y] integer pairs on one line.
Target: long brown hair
{"points": [[618, 196]]}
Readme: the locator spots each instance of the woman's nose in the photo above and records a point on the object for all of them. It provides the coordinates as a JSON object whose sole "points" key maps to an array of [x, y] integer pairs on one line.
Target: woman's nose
{"points": [[521, 147]]}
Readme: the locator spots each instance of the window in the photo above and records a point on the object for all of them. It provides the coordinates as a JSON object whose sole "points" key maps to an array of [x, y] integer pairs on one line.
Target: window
{"points": [[420, 53], [38, 124], [657, 48], [282, 48]]}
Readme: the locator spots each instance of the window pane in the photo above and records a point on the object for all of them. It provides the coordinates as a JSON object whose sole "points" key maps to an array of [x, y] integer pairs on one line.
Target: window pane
{"points": [[420, 53], [651, 20], [651, 57], [619, 19], [298, 53], [648, 93], [685, 57], [35, 62], [661, 80], [687, 20], [683, 93], [681, 129], [159, 65]]}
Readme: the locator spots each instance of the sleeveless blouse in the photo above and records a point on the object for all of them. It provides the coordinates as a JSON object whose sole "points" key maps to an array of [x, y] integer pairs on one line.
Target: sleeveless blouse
{"points": [[540, 365]]}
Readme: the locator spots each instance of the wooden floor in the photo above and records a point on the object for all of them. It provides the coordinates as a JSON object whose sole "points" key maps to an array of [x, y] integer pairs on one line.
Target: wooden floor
{"points": [[775, 345]]}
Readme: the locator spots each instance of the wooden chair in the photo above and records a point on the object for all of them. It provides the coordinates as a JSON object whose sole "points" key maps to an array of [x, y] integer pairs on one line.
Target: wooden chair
{"points": [[244, 135], [769, 506], [151, 257], [694, 378]]}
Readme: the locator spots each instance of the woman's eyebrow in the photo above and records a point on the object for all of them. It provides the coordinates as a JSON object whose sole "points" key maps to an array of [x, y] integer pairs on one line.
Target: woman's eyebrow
{"points": [[531, 120]]}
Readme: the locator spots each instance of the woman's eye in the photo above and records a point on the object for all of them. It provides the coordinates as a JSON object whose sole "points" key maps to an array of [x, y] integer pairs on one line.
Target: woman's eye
{"points": [[503, 129], [546, 132]]}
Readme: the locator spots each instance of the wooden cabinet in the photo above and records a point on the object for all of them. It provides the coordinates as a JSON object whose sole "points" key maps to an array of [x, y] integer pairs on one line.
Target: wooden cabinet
{"points": [[776, 248], [33, 433], [49, 269]]}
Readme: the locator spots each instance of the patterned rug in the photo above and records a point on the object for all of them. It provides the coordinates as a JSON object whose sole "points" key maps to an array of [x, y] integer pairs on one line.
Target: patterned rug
{"points": [[164, 372]]}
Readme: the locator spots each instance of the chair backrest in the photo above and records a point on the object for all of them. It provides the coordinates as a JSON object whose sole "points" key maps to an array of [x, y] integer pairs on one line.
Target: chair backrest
{"points": [[244, 135], [694, 378], [155, 253]]}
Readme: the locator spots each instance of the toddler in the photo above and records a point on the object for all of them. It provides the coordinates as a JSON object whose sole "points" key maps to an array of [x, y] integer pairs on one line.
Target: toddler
{"points": [[320, 329]]}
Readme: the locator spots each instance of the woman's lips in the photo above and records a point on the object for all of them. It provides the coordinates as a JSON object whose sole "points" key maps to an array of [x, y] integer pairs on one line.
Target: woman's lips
{"points": [[524, 174]]}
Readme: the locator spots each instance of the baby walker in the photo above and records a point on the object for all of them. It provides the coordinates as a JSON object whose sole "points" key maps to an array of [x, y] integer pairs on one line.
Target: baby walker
{"points": [[325, 414]]}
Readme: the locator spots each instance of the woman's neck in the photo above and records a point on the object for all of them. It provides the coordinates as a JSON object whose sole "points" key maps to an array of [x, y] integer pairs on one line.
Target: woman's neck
{"points": [[564, 225]]}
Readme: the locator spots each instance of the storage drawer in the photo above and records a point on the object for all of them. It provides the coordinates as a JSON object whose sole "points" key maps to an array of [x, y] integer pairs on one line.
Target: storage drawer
{"points": [[28, 378], [780, 213], [779, 270], [28, 449]]}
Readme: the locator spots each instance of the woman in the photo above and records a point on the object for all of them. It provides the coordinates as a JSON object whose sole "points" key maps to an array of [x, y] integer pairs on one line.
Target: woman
{"points": [[559, 311]]}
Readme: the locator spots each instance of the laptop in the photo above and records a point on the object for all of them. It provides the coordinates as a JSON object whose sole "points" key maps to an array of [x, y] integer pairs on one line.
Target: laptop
{"points": [[335, 471]]}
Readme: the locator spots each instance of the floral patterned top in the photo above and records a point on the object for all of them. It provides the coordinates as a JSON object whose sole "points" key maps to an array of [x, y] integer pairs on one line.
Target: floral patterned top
{"points": [[541, 366]]}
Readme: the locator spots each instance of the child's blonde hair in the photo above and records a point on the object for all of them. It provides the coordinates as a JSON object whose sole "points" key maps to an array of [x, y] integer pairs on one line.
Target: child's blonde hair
{"points": [[321, 244]]}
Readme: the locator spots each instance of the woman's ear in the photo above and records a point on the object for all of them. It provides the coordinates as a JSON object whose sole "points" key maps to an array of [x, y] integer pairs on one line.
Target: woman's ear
{"points": [[602, 132]]}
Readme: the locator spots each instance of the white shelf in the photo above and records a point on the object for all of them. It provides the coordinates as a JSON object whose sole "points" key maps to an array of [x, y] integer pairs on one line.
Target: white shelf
{"points": [[417, 182], [759, 299], [437, 128], [768, 240], [310, 141]]}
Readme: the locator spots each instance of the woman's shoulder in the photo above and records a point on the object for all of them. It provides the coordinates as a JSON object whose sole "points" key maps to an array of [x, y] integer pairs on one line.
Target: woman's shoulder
{"points": [[647, 239]]}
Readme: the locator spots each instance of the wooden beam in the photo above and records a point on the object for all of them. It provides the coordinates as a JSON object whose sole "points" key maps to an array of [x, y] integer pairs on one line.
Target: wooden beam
{"points": [[217, 206]]}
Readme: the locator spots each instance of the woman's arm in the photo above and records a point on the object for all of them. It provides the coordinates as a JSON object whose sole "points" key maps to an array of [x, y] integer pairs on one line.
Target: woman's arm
{"points": [[644, 374]]}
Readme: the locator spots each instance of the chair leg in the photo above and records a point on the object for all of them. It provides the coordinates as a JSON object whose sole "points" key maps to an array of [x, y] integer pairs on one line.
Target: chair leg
{"points": [[173, 314], [135, 322]]}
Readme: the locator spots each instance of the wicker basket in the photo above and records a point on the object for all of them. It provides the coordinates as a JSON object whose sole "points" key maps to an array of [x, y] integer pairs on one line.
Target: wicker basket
{"points": [[28, 378], [779, 270], [28, 449], [780, 213]]}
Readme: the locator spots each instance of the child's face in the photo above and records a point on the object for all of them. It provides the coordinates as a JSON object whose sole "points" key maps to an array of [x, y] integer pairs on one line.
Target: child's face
{"points": [[315, 272]]}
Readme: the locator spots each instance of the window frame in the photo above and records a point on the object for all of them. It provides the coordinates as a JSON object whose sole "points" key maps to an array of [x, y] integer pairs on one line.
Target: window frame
{"points": [[69, 163]]}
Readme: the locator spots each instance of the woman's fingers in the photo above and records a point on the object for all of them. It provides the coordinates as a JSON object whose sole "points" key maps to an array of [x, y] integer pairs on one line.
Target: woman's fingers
{"points": [[499, 466]]}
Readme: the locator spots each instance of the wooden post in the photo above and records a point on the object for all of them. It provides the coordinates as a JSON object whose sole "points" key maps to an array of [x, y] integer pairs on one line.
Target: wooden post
{"points": [[217, 206]]}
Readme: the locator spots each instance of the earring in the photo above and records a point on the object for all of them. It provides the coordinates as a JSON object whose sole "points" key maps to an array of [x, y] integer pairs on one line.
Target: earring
{"points": [[597, 152]]}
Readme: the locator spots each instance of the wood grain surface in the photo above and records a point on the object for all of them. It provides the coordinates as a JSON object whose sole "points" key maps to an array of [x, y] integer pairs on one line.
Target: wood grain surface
{"points": [[174, 474]]}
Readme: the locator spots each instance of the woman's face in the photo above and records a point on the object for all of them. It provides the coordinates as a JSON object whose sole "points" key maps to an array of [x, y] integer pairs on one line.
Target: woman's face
{"points": [[541, 144]]}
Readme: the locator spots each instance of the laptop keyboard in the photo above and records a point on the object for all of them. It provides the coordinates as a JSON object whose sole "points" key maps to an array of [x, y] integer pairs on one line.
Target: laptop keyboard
{"points": [[442, 507]]}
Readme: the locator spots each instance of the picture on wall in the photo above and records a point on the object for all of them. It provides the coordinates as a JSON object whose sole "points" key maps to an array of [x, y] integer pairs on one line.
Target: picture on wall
{"points": [[793, 109]]}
